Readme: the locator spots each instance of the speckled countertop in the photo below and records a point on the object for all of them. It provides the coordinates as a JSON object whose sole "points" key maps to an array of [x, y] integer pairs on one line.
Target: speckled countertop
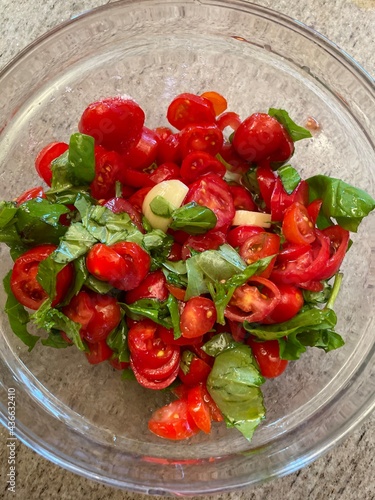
{"points": [[345, 473]]}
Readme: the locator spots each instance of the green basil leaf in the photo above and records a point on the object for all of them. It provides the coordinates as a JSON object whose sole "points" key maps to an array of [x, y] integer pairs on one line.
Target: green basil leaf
{"points": [[295, 345], [218, 344], [289, 177], [341, 201], [185, 361], [193, 219], [18, 317], [161, 207], [295, 131], [48, 270], [196, 282], [75, 243], [233, 384], [82, 159], [153, 309], [8, 210], [172, 305], [55, 340], [117, 340]]}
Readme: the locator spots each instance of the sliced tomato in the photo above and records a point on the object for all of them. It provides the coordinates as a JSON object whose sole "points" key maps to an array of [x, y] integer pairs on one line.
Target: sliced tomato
{"points": [[238, 235], [136, 199], [106, 264], [201, 242], [198, 317], [98, 352], [297, 226], [142, 154], [237, 330], [186, 109], [339, 241], [155, 384], [169, 149], [242, 198], [218, 101], [31, 194], [267, 355], [228, 119], [253, 301], [23, 281], [165, 172], [215, 413], [178, 293], [213, 192], [46, 156], [234, 162], [199, 409], [138, 262], [108, 164], [201, 137], [173, 421], [193, 370], [259, 246], [313, 209], [117, 364], [119, 206], [291, 302], [163, 372], [135, 178], [292, 251], [281, 200], [199, 163], [266, 180], [167, 337], [175, 253], [154, 286]]}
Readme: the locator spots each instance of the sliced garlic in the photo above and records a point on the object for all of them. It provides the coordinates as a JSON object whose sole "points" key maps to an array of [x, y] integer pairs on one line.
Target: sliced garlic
{"points": [[173, 191], [247, 218]]}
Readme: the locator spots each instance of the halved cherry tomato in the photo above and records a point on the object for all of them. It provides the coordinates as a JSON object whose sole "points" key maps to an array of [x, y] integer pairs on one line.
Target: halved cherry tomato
{"points": [[199, 163], [154, 285], [116, 123], [313, 209], [98, 352], [266, 180], [267, 355], [213, 192], [108, 164], [173, 421], [216, 414], [198, 317], [233, 160], [201, 137], [339, 241], [237, 330], [194, 370], [250, 302], [167, 337], [259, 246], [98, 314], [240, 234], [169, 149], [199, 409], [209, 241], [117, 364], [119, 205], [291, 302], [297, 226], [137, 198], [46, 156], [175, 253], [281, 200], [291, 251], [138, 261], [31, 194], [190, 108], [178, 293], [155, 383], [24, 283], [242, 198], [218, 101], [261, 137], [106, 264], [142, 154], [165, 172], [228, 119], [135, 178]]}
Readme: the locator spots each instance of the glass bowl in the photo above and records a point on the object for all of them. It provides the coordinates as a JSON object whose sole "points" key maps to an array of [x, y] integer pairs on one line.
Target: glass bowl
{"points": [[85, 418]]}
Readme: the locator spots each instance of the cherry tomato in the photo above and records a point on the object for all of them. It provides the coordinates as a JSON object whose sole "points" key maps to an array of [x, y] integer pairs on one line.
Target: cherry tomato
{"points": [[138, 264], [98, 314], [173, 421], [31, 194], [261, 137], [291, 251], [266, 181], [339, 240], [240, 234], [213, 192], [98, 352], [154, 286], [175, 253], [242, 198], [267, 355], [237, 330], [199, 409], [186, 109], [167, 337], [199, 163], [259, 246], [169, 149], [117, 364], [228, 119], [313, 210], [178, 293], [24, 283], [165, 172], [135, 178], [233, 160], [297, 226], [201, 137], [137, 198], [250, 303], [281, 200], [215, 413], [218, 101], [119, 205], [46, 156], [196, 370], [116, 123], [106, 264], [142, 154], [209, 241], [291, 302], [198, 317], [108, 164]]}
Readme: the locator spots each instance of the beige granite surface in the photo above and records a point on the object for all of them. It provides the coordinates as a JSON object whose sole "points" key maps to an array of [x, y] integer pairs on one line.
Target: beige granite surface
{"points": [[345, 473]]}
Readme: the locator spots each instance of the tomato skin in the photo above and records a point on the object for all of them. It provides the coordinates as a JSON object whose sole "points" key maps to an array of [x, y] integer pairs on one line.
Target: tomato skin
{"points": [[178, 293], [281, 200], [169, 149], [119, 205], [154, 285], [313, 210], [165, 172], [106, 264], [117, 364], [136, 199], [238, 235], [199, 163], [291, 302], [197, 373], [31, 194], [142, 154], [168, 338], [248, 304], [339, 241], [116, 123], [173, 421], [218, 101], [259, 246], [44, 158], [24, 284], [260, 137], [198, 317], [201, 137], [199, 409], [242, 198], [228, 119], [297, 226], [98, 353], [187, 108], [138, 264], [209, 241], [213, 192], [108, 164], [267, 355], [135, 178], [236, 163]]}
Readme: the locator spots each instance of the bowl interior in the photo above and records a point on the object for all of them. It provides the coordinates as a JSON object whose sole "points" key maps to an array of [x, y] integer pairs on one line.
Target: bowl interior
{"points": [[85, 417]]}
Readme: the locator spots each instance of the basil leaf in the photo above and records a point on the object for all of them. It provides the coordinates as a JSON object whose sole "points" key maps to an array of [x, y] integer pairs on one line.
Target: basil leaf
{"points": [[185, 361], [161, 207], [233, 384], [117, 340], [48, 270], [153, 309], [292, 348], [341, 201], [172, 305], [75, 243], [49, 318], [55, 340], [196, 282], [158, 245], [218, 343], [289, 177], [18, 317], [8, 210], [96, 285], [295, 131], [193, 219]]}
